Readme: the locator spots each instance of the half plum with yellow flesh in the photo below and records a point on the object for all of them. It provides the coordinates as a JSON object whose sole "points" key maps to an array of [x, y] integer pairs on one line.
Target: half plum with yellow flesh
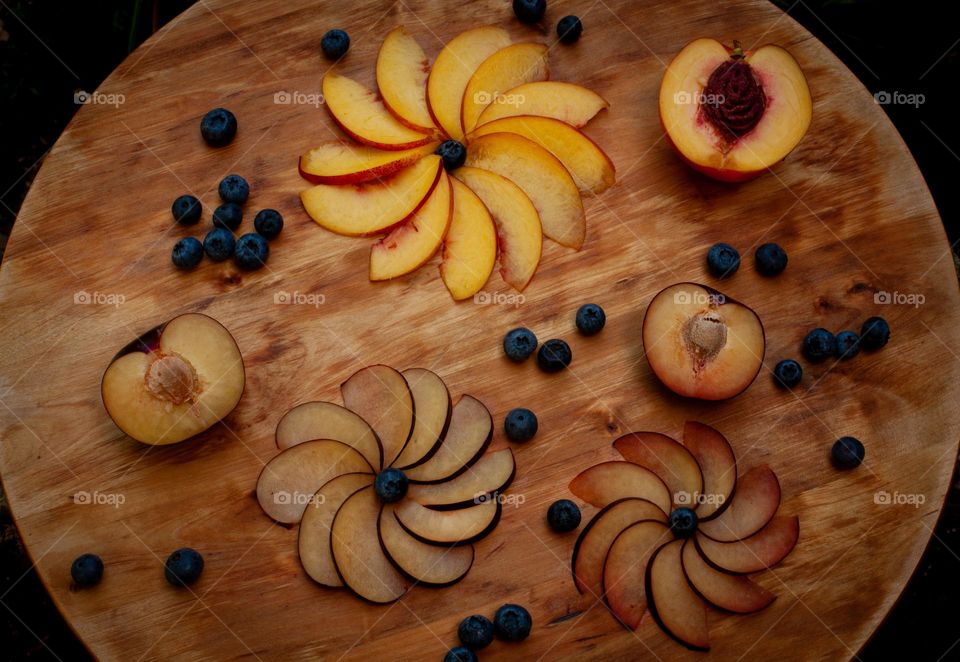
{"points": [[702, 344], [175, 381], [730, 113]]}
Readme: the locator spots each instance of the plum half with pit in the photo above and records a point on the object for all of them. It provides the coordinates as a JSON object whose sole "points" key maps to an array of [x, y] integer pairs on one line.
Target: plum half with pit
{"points": [[175, 381], [701, 343]]}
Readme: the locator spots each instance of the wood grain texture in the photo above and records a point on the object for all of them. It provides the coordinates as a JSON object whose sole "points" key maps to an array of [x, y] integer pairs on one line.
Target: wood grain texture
{"points": [[849, 205]]}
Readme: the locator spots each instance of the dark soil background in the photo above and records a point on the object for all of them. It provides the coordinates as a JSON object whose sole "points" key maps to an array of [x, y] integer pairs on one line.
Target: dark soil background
{"points": [[49, 50]]}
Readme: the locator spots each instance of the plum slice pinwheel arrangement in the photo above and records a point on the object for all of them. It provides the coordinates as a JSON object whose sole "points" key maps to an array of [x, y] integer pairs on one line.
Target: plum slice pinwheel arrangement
{"points": [[390, 489], [678, 531], [521, 176]]}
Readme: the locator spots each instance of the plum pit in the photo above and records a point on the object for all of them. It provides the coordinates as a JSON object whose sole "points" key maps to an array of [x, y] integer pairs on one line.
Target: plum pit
{"points": [[704, 335], [170, 377]]}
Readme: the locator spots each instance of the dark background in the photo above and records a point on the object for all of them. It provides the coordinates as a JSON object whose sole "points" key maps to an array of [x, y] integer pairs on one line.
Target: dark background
{"points": [[49, 50]]}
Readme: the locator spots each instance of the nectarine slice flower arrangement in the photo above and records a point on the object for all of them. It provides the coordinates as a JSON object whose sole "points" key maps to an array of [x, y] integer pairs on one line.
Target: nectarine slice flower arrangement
{"points": [[731, 113], [678, 531], [389, 489], [489, 103]]}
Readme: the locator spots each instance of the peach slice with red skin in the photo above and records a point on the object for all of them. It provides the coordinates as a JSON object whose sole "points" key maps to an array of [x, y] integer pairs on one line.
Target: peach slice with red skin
{"points": [[370, 208], [541, 176], [470, 247], [569, 103], [415, 241], [175, 381], [593, 543], [341, 162], [590, 167], [451, 72], [504, 70], [402, 70], [362, 115], [702, 344], [733, 114], [519, 232]]}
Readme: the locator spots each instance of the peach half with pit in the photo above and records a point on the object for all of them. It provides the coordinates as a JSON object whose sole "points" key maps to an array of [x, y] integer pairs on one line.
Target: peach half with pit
{"points": [[701, 343], [730, 113], [175, 381]]}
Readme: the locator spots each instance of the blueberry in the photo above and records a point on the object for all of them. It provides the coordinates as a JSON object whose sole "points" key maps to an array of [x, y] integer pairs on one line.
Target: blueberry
{"points": [[391, 485], [268, 223], [590, 319], [475, 632], [554, 356], [771, 259], [187, 253], [563, 516], [87, 570], [183, 567], [847, 453], [251, 252], [512, 623], [819, 345], [519, 344], [460, 654], [874, 333], [569, 29], [228, 216], [335, 44], [848, 344], [520, 424], [234, 188], [218, 127], [723, 260], [219, 244], [186, 210], [453, 154], [788, 373], [683, 522], [529, 11]]}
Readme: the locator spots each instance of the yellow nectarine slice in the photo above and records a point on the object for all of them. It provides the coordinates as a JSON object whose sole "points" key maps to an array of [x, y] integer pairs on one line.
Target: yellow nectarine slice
{"points": [[362, 115], [566, 102], [342, 162], [502, 71], [365, 209], [175, 382], [541, 176], [590, 167], [453, 68], [402, 69], [415, 241], [518, 223], [470, 248], [785, 117]]}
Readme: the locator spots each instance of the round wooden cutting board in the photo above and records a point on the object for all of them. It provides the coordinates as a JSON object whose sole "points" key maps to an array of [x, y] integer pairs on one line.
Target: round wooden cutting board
{"points": [[88, 268]]}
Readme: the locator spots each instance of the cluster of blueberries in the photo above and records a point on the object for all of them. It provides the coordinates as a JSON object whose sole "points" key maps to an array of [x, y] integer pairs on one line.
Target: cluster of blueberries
{"points": [[249, 252], [510, 623], [182, 568], [723, 260]]}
